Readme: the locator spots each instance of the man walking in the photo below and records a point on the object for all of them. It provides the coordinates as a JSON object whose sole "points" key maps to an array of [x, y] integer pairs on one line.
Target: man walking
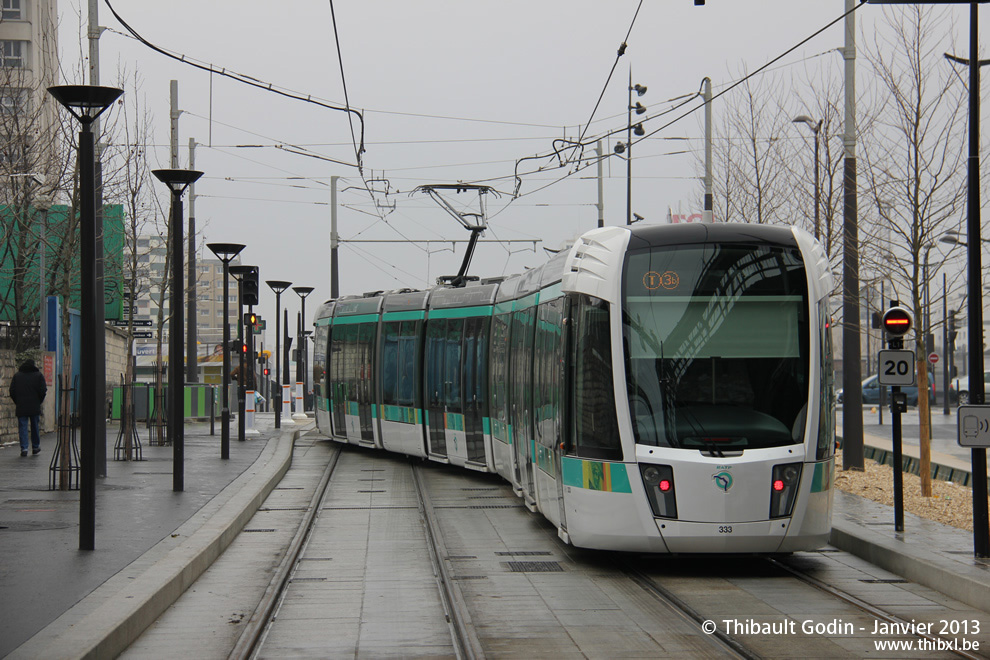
{"points": [[28, 389]]}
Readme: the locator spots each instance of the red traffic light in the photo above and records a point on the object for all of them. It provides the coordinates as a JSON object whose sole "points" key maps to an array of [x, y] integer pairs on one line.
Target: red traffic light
{"points": [[896, 321], [266, 371]]}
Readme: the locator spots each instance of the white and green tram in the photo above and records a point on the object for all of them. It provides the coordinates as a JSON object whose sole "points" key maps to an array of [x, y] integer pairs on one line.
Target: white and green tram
{"points": [[653, 389]]}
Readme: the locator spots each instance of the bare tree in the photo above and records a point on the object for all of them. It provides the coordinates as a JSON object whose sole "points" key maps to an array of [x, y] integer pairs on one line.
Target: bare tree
{"points": [[914, 158], [752, 180]]}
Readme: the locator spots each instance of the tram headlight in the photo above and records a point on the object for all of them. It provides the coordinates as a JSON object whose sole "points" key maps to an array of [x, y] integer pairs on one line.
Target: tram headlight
{"points": [[659, 483], [783, 489]]}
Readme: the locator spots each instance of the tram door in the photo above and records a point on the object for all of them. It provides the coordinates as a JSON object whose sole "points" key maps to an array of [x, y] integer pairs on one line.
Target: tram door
{"points": [[435, 395], [337, 387], [475, 357], [563, 397], [521, 396], [365, 348]]}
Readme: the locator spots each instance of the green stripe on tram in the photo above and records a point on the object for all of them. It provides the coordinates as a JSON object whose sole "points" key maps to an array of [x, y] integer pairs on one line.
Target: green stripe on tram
{"points": [[461, 312], [360, 318]]}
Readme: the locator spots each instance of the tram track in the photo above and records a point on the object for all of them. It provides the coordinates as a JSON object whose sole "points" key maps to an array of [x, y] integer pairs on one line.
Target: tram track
{"points": [[866, 607], [253, 641], [726, 643], [463, 633], [255, 629]]}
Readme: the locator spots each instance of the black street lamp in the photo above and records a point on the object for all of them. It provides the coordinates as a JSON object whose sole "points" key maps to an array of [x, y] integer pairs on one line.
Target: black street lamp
{"points": [[177, 182], [225, 252], [278, 286], [86, 103], [815, 128], [977, 393], [302, 292]]}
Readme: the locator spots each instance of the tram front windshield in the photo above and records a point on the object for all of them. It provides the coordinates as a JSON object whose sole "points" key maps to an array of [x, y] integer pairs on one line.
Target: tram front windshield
{"points": [[716, 346]]}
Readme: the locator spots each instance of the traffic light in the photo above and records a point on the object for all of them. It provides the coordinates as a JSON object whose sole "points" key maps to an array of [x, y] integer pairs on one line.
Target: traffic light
{"points": [[896, 323], [266, 371], [250, 320], [249, 287], [952, 331]]}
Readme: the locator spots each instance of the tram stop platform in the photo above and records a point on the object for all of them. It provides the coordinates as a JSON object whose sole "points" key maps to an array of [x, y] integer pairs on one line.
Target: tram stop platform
{"points": [[152, 543]]}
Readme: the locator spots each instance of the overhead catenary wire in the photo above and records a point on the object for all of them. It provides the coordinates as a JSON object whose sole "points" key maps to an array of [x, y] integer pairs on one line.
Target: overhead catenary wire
{"points": [[241, 78], [618, 56], [581, 166]]}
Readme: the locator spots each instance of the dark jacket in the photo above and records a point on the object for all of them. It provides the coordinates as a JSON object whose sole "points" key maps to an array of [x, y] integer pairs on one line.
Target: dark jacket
{"points": [[28, 389]]}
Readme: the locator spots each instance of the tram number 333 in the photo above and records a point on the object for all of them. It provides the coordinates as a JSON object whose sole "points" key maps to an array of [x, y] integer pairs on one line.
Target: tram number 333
{"points": [[725, 529], [896, 368]]}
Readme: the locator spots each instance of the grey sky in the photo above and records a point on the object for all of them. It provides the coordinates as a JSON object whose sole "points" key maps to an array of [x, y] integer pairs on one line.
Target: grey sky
{"points": [[531, 70]]}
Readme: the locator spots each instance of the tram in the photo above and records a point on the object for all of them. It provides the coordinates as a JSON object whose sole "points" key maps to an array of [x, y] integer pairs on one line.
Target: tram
{"points": [[662, 389]]}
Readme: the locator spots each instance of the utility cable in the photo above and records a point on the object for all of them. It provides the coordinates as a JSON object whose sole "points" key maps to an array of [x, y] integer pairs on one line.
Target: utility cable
{"points": [[244, 79], [619, 54]]}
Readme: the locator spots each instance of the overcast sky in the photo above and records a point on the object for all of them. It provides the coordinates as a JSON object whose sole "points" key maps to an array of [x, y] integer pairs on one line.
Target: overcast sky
{"points": [[451, 90]]}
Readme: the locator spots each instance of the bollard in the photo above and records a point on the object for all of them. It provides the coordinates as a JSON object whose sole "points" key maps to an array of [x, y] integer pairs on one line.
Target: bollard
{"points": [[300, 412], [249, 410], [286, 417]]}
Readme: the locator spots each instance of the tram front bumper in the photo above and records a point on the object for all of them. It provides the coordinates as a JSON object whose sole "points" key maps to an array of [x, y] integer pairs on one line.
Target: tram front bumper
{"points": [[701, 537]]}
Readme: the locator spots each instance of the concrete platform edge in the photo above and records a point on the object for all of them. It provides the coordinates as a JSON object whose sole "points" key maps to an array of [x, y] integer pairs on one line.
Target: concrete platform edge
{"points": [[115, 614], [914, 564]]}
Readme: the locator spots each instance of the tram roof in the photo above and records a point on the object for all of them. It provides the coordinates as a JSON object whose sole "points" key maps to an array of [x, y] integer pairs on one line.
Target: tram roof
{"points": [[647, 236], [466, 296]]}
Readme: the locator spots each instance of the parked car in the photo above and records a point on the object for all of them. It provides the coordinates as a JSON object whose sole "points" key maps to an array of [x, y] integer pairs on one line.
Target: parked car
{"points": [[961, 385], [871, 391]]}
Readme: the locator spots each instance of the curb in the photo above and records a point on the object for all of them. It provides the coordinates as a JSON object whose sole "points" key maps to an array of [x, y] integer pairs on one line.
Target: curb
{"points": [[918, 565], [109, 619]]}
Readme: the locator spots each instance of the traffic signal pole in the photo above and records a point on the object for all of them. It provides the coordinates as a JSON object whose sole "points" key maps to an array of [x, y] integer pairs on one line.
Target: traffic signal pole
{"points": [[896, 368]]}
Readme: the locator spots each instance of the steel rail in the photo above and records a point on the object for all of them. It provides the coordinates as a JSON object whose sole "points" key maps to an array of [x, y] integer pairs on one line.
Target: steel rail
{"points": [[257, 626], [724, 641], [855, 601], [467, 645]]}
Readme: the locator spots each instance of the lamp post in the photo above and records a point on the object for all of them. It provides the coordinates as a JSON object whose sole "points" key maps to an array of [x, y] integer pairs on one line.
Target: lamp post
{"points": [[177, 182], [815, 128], [977, 392], [639, 109], [302, 292], [86, 103], [225, 252], [278, 286]]}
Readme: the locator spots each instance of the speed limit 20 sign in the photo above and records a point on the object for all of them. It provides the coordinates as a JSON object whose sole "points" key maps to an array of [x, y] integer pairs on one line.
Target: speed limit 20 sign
{"points": [[896, 368]]}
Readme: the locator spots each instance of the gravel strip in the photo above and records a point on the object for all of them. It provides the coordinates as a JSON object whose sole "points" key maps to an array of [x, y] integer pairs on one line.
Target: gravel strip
{"points": [[950, 504]]}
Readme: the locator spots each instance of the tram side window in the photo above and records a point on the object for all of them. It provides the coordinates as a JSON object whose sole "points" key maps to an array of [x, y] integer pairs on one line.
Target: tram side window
{"points": [[547, 359], [452, 365], [595, 428], [320, 359], [365, 347], [407, 393], [826, 414], [390, 363]]}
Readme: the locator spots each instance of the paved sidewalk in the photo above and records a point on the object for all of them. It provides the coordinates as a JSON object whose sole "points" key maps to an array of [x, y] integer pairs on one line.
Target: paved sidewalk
{"points": [[153, 543], [43, 572]]}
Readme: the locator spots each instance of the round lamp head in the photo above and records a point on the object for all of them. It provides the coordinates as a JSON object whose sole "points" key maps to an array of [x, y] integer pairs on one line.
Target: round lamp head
{"points": [[225, 251], [303, 291], [177, 180], [278, 286], [85, 102], [241, 270]]}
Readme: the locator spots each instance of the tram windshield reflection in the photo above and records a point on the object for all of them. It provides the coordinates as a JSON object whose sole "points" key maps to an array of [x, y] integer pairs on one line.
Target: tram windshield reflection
{"points": [[716, 346]]}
